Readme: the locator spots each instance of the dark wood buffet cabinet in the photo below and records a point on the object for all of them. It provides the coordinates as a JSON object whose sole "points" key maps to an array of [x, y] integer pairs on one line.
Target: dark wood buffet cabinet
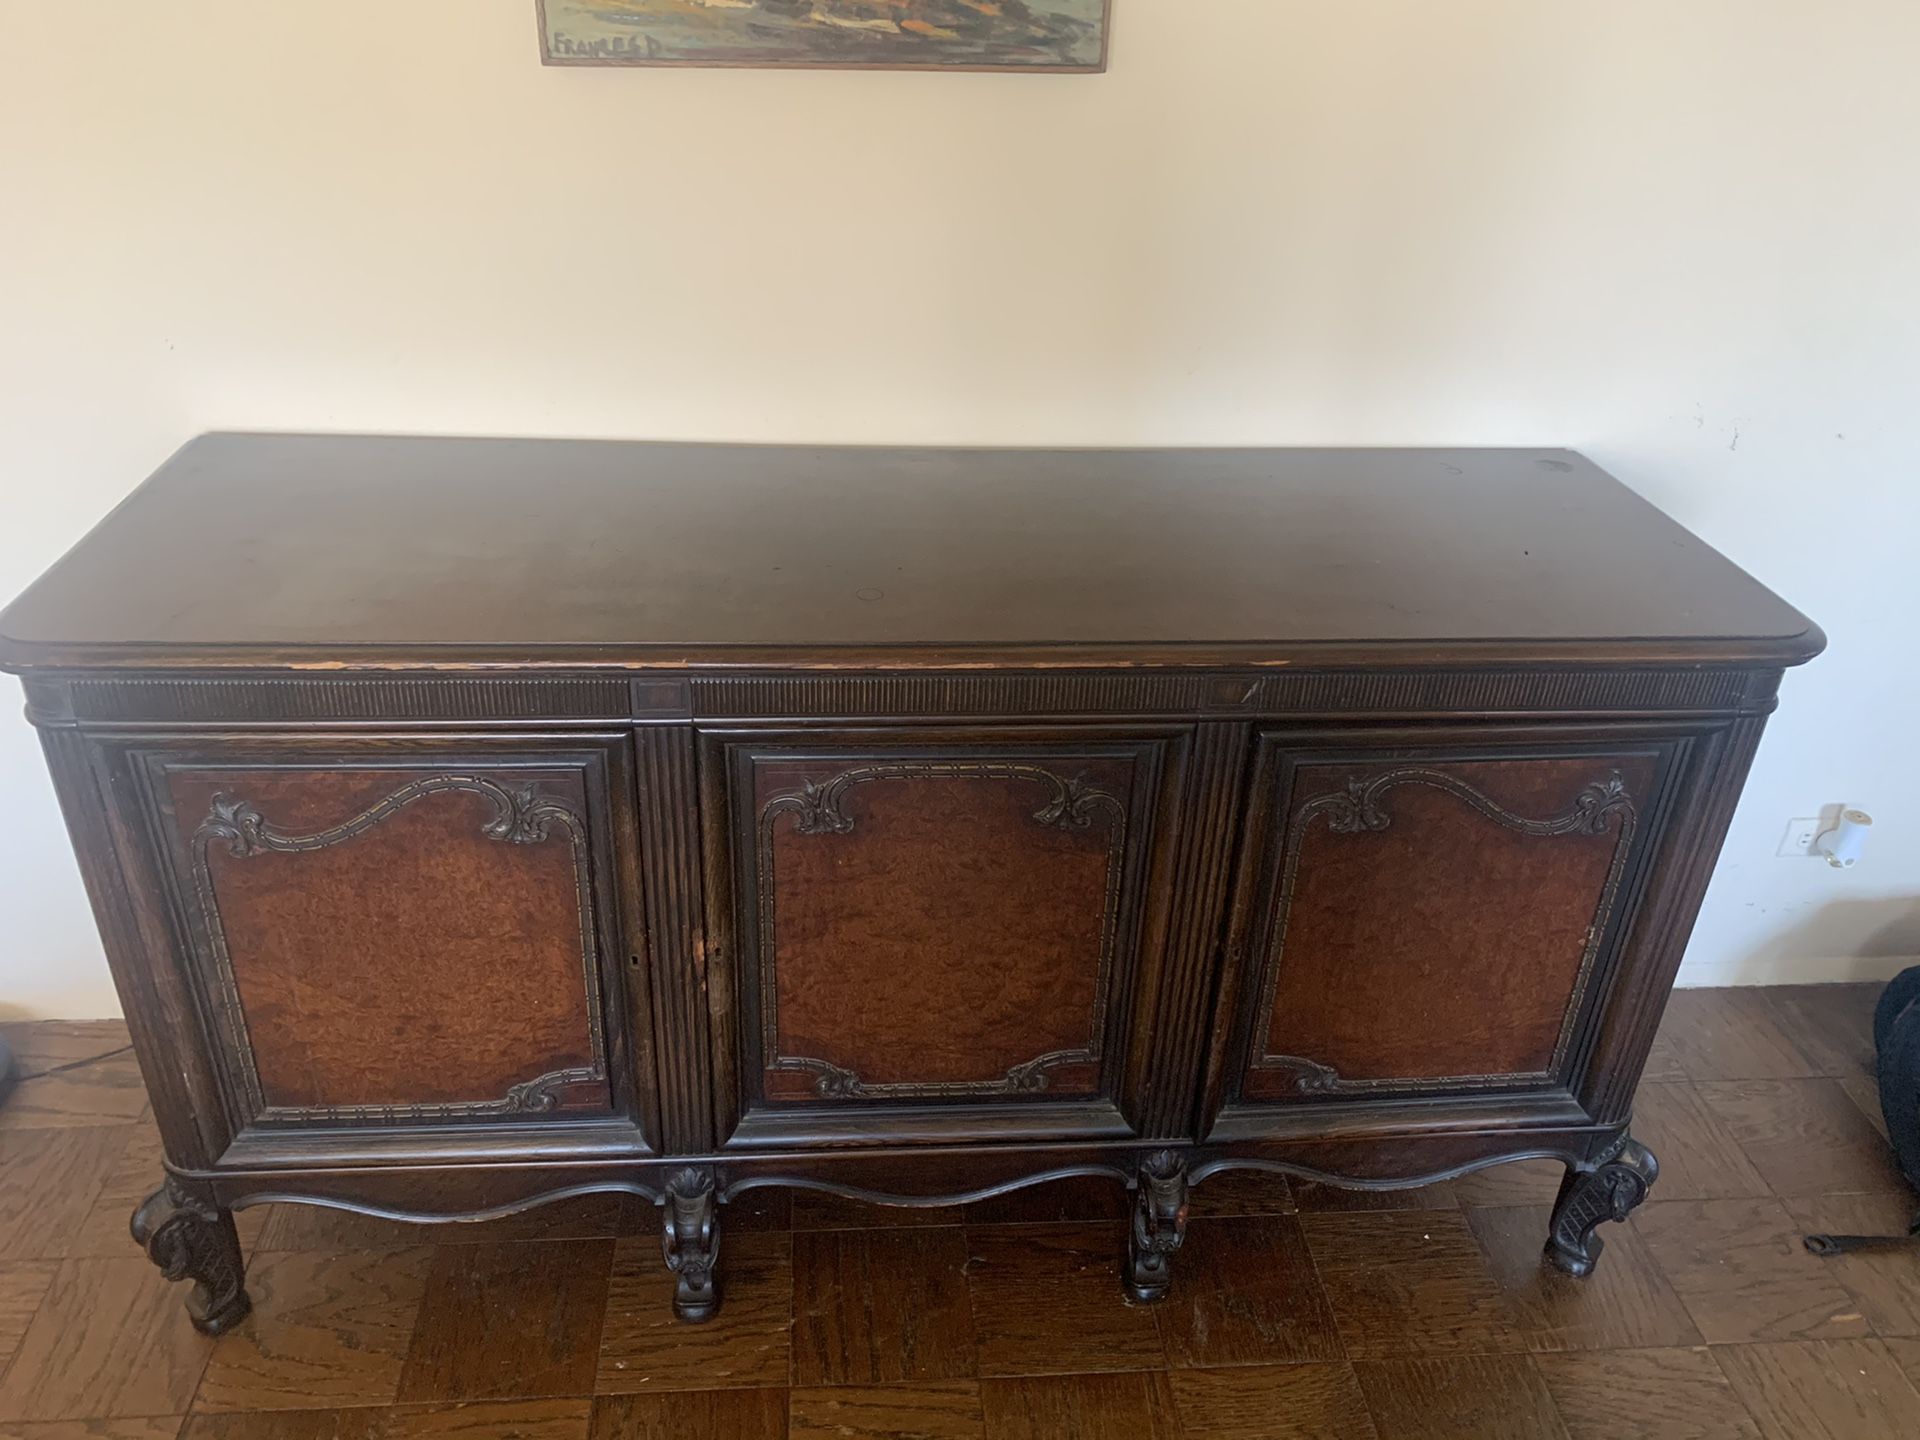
{"points": [[475, 823]]}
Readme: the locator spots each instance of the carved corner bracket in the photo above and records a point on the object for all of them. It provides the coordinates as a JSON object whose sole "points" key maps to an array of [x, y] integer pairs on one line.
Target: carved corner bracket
{"points": [[192, 1239], [690, 1241], [1610, 1188], [1159, 1225]]}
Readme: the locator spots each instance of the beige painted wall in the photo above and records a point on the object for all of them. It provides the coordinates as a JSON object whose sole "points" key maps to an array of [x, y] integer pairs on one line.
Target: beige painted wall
{"points": [[1680, 235]]}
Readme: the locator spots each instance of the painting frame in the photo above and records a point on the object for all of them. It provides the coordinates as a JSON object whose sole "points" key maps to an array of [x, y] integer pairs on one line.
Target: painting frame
{"points": [[630, 61]]}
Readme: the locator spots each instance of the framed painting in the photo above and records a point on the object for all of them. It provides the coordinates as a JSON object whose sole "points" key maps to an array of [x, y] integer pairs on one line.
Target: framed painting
{"points": [[1038, 35]]}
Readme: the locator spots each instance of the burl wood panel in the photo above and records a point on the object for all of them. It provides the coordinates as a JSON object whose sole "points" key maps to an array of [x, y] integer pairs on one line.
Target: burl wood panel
{"points": [[1422, 933], [419, 961], [936, 932]]}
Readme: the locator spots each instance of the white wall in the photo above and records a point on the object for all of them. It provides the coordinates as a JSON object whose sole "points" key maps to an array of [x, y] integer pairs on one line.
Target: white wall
{"points": [[1681, 236]]}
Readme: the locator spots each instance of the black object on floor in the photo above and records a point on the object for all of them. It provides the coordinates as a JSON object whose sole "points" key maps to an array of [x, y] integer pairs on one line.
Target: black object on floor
{"points": [[1896, 1039]]}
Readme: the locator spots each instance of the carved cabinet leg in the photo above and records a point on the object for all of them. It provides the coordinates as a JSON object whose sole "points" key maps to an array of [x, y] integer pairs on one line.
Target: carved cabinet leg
{"points": [[691, 1238], [1159, 1225], [193, 1239], [1607, 1190]]}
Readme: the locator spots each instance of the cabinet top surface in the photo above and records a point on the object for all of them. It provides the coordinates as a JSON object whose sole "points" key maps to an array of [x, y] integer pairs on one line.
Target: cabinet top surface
{"points": [[319, 550]]}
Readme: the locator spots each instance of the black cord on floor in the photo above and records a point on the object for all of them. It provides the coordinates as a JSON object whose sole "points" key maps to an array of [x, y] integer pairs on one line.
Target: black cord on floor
{"points": [[72, 1065]]}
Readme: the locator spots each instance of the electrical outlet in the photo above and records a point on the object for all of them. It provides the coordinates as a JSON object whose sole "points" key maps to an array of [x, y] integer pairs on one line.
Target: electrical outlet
{"points": [[1800, 836]]}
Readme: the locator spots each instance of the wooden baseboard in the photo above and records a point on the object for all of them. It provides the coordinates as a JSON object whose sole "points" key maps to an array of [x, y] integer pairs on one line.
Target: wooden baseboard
{"points": [[1795, 970]]}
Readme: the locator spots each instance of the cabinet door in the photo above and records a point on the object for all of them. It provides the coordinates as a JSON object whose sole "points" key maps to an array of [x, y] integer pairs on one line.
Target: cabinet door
{"points": [[1424, 919], [403, 933], [946, 927]]}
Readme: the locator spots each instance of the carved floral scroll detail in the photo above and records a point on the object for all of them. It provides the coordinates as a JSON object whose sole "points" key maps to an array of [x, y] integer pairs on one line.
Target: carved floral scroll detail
{"points": [[521, 816], [1360, 805], [819, 808]]}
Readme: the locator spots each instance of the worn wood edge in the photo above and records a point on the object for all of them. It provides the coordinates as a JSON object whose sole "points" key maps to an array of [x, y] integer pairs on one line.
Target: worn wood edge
{"points": [[20, 656], [599, 1141], [1408, 1118], [770, 1129], [187, 699]]}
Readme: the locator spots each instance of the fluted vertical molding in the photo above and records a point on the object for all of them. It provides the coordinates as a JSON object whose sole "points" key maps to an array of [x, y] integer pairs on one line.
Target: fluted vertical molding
{"points": [[670, 875], [121, 870], [1210, 803], [1690, 847]]}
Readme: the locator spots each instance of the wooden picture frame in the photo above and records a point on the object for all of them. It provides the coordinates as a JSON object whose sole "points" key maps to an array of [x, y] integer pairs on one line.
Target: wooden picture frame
{"points": [[1015, 36]]}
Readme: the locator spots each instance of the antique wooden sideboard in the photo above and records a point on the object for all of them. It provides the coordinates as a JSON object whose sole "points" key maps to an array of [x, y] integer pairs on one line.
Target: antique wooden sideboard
{"points": [[474, 823]]}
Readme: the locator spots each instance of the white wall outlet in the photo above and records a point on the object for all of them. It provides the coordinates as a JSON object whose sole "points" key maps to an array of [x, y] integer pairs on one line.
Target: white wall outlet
{"points": [[1800, 835]]}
